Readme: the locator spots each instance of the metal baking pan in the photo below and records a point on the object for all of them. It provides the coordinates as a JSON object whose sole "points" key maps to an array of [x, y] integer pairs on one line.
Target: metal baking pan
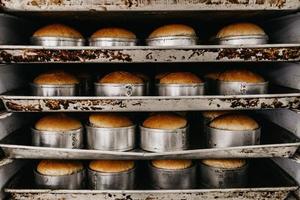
{"points": [[275, 142], [279, 97], [145, 5], [145, 54], [262, 185]]}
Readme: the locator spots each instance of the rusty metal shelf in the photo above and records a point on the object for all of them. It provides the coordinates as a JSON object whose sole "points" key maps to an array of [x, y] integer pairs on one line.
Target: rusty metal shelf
{"points": [[146, 5], [146, 54], [262, 185], [275, 142]]}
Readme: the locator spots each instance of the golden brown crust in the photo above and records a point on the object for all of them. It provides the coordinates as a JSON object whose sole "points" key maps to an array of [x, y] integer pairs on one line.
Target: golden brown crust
{"points": [[240, 29], [240, 75], [121, 77], [172, 164], [167, 121], [59, 167], [111, 165], [55, 78], [225, 164], [57, 30], [114, 32], [173, 30], [212, 75], [57, 122], [109, 120], [214, 114], [180, 78], [160, 76], [234, 122]]}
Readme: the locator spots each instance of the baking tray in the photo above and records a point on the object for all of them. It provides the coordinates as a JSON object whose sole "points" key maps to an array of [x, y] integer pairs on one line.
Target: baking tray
{"points": [[146, 54], [275, 142], [146, 5], [267, 181], [278, 97]]}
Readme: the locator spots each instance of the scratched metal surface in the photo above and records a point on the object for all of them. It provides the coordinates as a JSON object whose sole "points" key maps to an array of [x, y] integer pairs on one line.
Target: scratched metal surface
{"points": [[144, 54], [262, 185], [147, 5], [275, 142], [149, 103]]}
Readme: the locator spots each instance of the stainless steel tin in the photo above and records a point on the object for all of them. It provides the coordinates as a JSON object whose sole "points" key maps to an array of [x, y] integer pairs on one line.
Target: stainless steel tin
{"points": [[173, 179], [109, 89], [244, 40], [54, 90], [72, 181], [172, 41], [109, 42], [217, 138], [57, 41], [213, 177], [61, 139], [160, 140], [111, 139], [180, 89], [240, 88], [112, 181]]}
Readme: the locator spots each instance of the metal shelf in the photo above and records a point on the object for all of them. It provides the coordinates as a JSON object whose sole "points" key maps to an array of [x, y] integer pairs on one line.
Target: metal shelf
{"points": [[262, 185], [146, 5], [146, 54], [275, 142]]}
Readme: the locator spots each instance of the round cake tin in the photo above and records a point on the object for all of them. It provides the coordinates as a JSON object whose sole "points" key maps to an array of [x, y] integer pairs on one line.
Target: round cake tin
{"points": [[244, 40], [73, 181], [60, 139], [217, 138], [180, 89], [241, 88], [111, 139], [109, 89], [54, 90], [162, 140], [57, 41], [214, 177], [112, 180], [172, 41], [173, 178], [109, 42]]}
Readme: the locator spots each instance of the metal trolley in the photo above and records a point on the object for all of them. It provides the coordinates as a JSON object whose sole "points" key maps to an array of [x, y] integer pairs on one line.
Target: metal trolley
{"points": [[274, 166]]}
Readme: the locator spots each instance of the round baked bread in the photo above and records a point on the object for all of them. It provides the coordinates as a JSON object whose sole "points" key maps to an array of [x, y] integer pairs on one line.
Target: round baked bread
{"points": [[121, 77], [234, 122], [240, 29], [213, 114], [57, 122], [160, 76], [180, 78], [212, 75], [58, 30], [55, 78], [173, 30], [172, 164], [167, 121], [241, 75], [111, 166], [109, 120], [225, 164], [113, 32], [59, 167]]}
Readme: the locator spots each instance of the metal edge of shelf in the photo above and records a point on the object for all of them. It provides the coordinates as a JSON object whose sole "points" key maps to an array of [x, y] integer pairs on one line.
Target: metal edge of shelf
{"points": [[146, 5], [149, 103], [146, 54]]}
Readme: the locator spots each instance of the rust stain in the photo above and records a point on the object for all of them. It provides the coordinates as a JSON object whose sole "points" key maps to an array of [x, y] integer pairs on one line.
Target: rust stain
{"points": [[19, 107]]}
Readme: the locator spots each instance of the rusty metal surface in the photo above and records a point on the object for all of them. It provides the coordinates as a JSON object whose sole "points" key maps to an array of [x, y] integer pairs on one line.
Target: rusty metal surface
{"points": [[144, 54], [275, 142], [149, 103], [147, 5], [239, 194]]}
